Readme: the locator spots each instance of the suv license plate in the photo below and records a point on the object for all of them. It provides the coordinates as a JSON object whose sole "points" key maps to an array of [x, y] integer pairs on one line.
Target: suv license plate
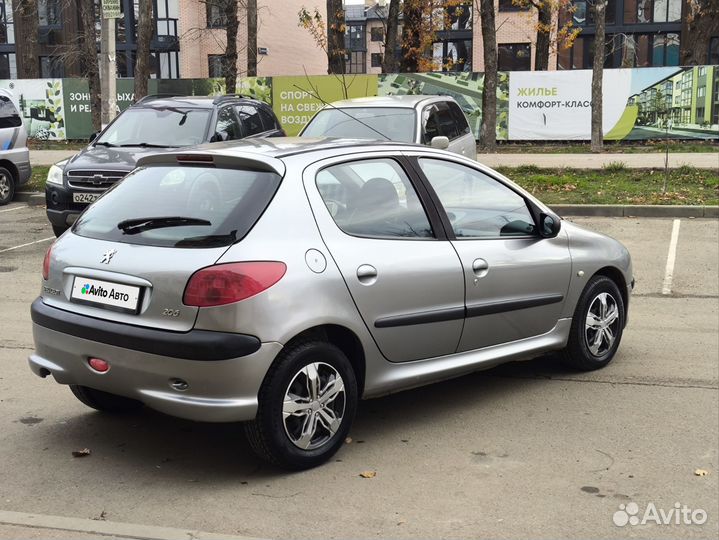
{"points": [[85, 197], [105, 294]]}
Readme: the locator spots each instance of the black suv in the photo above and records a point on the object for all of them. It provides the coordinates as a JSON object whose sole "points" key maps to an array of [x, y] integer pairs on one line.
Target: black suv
{"points": [[152, 125]]}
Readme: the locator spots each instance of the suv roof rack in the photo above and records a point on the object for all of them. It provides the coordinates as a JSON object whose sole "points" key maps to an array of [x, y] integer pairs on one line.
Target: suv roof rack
{"points": [[154, 96], [220, 99]]}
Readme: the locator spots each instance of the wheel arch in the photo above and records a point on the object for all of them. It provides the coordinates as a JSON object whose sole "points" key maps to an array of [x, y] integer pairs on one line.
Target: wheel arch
{"points": [[616, 275], [10, 166], [344, 339]]}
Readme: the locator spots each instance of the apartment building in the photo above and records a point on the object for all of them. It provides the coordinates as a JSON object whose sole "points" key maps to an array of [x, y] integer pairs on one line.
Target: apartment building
{"points": [[189, 39]]}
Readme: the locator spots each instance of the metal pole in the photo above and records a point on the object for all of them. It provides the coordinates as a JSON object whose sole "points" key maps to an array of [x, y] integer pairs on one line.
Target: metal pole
{"points": [[108, 71]]}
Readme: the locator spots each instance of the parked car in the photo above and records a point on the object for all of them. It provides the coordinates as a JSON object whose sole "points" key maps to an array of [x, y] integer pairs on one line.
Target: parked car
{"points": [[152, 125], [14, 156], [436, 121], [278, 281]]}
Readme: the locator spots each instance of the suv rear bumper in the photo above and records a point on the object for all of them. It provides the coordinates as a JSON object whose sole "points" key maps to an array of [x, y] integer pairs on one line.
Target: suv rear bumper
{"points": [[218, 390]]}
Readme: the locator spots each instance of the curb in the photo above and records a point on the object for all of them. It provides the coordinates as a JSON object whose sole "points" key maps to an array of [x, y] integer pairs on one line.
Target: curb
{"points": [[32, 198], [108, 528], [636, 210]]}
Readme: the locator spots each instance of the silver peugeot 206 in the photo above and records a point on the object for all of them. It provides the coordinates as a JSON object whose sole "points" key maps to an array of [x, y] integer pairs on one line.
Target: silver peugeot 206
{"points": [[276, 282]]}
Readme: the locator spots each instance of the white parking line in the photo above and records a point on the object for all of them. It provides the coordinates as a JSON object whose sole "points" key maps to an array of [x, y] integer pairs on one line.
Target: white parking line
{"points": [[25, 245], [15, 208], [671, 258]]}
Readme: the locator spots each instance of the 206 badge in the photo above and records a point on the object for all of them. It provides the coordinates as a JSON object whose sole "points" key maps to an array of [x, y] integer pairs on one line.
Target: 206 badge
{"points": [[107, 256]]}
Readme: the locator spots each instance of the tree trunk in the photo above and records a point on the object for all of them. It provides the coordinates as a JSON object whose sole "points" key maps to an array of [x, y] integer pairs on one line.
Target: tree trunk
{"points": [[544, 28], [230, 57], [488, 129], [335, 37], [90, 68], [145, 30], [389, 61], [700, 22], [411, 36], [25, 15], [252, 38], [597, 74]]}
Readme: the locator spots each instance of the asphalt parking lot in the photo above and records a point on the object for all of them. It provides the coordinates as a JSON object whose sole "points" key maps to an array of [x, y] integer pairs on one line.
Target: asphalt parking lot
{"points": [[525, 450]]}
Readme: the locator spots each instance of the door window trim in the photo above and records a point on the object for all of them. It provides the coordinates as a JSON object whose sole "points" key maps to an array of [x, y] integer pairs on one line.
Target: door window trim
{"points": [[425, 198], [413, 160]]}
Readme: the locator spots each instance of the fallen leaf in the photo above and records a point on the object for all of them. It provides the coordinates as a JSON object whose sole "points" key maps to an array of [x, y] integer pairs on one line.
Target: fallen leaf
{"points": [[701, 472], [368, 474], [81, 453], [348, 440]]}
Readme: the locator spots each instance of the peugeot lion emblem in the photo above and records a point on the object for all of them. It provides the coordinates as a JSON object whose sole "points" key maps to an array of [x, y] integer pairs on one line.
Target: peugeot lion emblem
{"points": [[107, 256]]}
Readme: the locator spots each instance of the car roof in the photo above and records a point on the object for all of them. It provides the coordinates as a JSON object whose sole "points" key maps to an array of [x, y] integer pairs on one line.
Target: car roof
{"points": [[386, 101], [197, 102]]}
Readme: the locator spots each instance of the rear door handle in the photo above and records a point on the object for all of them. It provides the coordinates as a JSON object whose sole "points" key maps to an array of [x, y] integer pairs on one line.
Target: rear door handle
{"points": [[367, 274]]}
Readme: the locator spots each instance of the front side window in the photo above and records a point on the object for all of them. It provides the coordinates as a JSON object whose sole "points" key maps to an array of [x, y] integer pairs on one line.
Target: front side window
{"points": [[161, 126], [175, 206], [438, 121], [373, 198], [477, 205], [9, 117]]}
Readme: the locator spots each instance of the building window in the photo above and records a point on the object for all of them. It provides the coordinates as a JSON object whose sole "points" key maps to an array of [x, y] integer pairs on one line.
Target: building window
{"points": [[508, 5], [215, 14], [376, 33], [514, 57], [51, 67], [357, 62], [665, 50], [7, 28], [355, 37], [8, 66], [651, 11], [214, 65], [701, 92], [48, 12], [376, 60], [459, 17]]}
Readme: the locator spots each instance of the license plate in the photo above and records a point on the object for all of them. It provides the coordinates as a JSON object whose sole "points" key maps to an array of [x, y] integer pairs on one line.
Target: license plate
{"points": [[105, 294], [85, 197]]}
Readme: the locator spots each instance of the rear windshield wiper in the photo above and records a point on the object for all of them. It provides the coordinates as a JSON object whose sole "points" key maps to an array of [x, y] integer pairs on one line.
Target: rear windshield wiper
{"points": [[212, 240], [146, 145], [138, 225]]}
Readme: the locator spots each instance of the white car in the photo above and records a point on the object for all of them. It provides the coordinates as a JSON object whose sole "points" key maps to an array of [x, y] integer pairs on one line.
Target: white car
{"points": [[435, 121]]}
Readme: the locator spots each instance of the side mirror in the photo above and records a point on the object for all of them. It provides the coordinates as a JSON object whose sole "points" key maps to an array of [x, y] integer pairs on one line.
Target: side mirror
{"points": [[219, 136], [549, 225], [93, 137], [440, 142]]}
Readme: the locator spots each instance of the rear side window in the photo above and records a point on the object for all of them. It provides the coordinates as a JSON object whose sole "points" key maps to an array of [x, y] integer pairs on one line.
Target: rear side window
{"points": [[250, 118], [373, 198], [176, 206], [268, 121], [9, 117]]}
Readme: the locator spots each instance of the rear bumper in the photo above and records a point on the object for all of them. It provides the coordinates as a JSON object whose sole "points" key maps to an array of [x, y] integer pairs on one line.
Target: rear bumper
{"points": [[218, 391]]}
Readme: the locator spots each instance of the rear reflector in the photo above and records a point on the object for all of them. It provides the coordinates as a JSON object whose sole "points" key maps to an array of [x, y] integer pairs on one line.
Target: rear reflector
{"points": [[227, 283], [46, 263], [98, 365]]}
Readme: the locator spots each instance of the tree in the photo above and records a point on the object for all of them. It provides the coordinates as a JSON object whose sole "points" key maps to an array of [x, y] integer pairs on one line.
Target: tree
{"points": [[232, 24], [389, 61], [89, 67], [597, 74], [488, 128], [335, 37], [314, 23], [145, 31], [412, 47], [251, 38], [25, 15], [699, 24]]}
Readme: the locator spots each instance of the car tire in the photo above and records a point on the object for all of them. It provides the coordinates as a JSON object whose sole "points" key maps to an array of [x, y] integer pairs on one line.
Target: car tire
{"points": [[59, 229], [597, 326], [306, 429], [104, 401], [7, 186]]}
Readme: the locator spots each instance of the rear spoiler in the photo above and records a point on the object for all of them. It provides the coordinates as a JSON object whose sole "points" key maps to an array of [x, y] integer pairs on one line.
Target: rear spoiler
{"points": [[236, 160]]}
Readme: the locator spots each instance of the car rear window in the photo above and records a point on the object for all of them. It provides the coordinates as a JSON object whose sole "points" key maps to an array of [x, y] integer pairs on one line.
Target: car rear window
{"points": [[394, 124], [180, 206]]}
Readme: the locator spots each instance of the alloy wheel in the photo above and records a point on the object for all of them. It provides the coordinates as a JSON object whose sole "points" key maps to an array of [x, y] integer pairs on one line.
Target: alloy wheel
{"points": [[602, 324], [4, 186]]}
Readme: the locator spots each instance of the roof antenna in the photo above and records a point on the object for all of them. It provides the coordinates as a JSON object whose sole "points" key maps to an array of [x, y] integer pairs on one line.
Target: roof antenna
{"points": [[343, 112]]}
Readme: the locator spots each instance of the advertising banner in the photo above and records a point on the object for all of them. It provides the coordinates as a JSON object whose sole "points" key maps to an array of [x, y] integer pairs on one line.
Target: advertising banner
{"points": [[296, 99], [40, 104]]}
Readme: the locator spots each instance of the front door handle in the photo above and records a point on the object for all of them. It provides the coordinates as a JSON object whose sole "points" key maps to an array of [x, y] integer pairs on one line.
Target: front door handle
{"points": [[367, 274], [480, 267]]}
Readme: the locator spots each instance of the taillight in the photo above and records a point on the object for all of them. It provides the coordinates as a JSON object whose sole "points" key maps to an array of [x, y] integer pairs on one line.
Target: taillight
{"points": [[227, 283], [46, 263]]}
